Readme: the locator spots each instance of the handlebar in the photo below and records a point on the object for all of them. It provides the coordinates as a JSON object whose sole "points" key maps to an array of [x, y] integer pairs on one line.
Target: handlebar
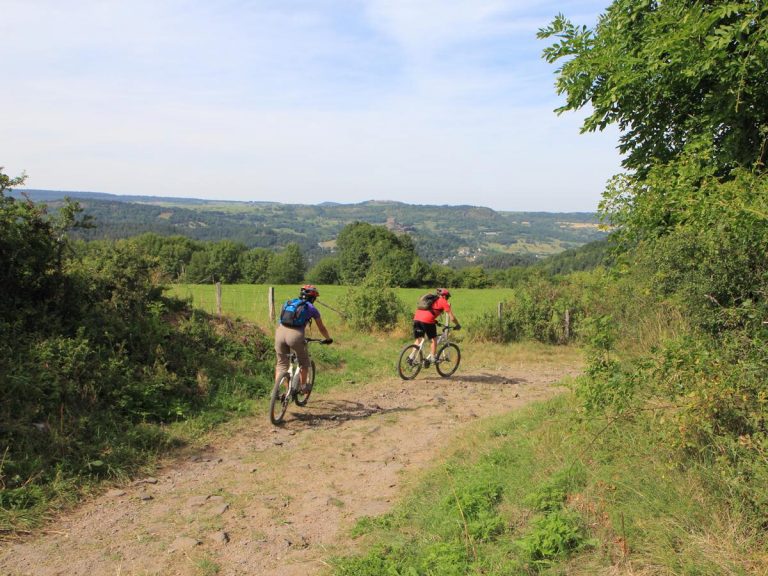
{"points": [[320, 340]]}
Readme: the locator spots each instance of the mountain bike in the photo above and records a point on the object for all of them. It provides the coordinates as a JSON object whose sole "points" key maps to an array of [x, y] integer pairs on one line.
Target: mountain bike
{"points": [[412, 358], [287, 387]]}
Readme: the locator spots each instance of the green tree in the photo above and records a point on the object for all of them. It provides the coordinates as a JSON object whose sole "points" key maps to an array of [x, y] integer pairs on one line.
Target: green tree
{"points": [[32, 243], [445, 276], [225, 261], [326, 271], [199, 269], [474, 277], [288, 266], [254, 265], [172, 252], [670, 75], [685, 82], [365, 248]]}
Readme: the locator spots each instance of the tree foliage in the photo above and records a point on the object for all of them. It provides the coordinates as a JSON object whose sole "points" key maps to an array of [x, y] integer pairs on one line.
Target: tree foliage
{"points": [[670, 75], [685, 82], [364, 248], [326, 271], [288, 266]]}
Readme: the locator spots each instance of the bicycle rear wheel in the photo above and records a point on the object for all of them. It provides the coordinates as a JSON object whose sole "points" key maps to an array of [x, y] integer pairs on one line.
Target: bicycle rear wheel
{"points": [[301, 399], [448, 358], [410, 362], [281, 397]]}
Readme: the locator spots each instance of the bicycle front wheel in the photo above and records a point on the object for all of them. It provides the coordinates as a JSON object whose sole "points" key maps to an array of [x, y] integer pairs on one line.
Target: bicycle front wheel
{"points": [[281, 397], [448, 358], [301, 399], [410, 362]]}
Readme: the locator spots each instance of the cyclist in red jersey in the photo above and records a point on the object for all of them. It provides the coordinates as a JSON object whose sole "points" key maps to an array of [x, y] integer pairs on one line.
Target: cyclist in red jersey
{"points": [[425, 321]]}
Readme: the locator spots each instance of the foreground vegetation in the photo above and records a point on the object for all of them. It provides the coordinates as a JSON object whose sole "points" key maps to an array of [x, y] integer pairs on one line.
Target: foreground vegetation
{"points": [[658, 460], [546, 491]]}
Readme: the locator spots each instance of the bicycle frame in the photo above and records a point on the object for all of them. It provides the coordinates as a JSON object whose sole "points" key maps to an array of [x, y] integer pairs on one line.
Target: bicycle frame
{"points": [[446, 358], [283, 396]]}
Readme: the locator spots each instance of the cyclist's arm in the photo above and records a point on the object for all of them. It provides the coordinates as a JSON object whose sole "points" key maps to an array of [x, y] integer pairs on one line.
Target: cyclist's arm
{"points": [[322, 328], [450, 314]]}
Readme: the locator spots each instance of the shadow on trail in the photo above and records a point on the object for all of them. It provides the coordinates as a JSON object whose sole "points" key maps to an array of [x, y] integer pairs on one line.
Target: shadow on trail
{"points": [[336, 412], [488, 379]]}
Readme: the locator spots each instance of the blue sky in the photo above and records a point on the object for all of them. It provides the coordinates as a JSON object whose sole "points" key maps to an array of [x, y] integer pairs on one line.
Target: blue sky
{"points": [[302, 101]]}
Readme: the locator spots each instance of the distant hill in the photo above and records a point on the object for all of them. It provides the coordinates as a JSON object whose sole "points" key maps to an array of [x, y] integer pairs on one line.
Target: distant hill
{"points": [[456, 235]]}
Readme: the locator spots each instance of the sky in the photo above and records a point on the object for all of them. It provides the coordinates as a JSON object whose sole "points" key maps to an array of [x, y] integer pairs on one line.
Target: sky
{"points": [[443, 102]]}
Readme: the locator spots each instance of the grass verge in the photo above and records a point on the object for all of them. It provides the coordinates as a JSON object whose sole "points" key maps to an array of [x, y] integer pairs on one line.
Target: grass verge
{"points": [[542, 491]]}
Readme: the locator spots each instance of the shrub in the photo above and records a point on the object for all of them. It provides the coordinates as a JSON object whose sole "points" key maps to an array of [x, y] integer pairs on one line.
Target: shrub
{"points": [[553, 536], [91, 352], [373, 305]]}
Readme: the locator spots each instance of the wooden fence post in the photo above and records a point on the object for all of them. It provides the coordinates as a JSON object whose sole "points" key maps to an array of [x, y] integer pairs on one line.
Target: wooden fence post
{"points": [[567, 324], [218, 298], [271, 300]]}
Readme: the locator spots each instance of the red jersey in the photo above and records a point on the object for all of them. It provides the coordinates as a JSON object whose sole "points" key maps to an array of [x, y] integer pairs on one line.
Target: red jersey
{"points": [[430, 316]]}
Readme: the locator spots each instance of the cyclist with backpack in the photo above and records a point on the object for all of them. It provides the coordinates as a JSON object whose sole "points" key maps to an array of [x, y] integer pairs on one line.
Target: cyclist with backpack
{"points": [[295, 316], [428, 310]]}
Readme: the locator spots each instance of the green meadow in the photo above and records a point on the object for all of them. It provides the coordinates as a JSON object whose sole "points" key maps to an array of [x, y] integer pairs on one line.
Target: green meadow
{"points": [[251, 301]]}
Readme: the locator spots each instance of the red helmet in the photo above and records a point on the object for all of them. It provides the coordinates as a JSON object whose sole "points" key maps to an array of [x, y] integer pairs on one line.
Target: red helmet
{"points": [[443, 292], [309, 292]]}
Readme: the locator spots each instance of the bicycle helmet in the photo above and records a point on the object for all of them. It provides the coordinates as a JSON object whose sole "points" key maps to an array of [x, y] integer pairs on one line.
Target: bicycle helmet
{"points": [[309, 292], [443, 292]]}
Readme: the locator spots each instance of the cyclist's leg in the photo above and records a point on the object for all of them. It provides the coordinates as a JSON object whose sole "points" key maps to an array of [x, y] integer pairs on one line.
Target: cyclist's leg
{"points": [[295, 339], [431, 333], [282, 351], [418, 332]]}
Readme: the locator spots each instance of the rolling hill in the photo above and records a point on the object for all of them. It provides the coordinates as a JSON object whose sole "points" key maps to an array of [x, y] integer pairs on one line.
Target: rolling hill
{"points": [[454, 235]]}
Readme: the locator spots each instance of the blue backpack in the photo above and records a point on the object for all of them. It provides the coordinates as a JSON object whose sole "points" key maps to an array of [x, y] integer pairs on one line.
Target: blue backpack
{"points": [[295, 313]]}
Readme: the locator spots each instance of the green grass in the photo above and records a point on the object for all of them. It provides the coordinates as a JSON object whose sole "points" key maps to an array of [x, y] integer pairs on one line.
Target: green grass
{"points": [[540, 491], [250, 301]]}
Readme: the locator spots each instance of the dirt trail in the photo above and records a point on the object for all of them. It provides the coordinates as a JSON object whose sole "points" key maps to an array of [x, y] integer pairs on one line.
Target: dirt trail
{"points": [[277, 501]]}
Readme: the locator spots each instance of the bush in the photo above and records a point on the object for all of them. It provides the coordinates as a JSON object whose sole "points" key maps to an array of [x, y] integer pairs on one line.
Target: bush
{"points": [[90, 352], [373, 305], [548, 310]]}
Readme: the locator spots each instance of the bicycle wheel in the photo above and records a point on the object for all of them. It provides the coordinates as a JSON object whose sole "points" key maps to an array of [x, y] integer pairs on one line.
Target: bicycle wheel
{"points": [[448, 358], [301, 399], [410, 362], [281, 397]]}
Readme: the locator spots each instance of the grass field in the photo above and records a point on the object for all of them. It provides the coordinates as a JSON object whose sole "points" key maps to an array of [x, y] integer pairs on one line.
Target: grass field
{"points": [[250, 301]]}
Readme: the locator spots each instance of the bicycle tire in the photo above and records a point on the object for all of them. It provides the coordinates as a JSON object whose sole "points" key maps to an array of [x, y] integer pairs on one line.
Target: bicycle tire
{"points": [[301, 399], [448, 358], [410, 362], [280, 398]]}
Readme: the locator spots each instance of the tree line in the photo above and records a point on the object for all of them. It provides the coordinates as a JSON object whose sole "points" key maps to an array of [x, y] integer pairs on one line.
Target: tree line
{"points": [[360, 249]]}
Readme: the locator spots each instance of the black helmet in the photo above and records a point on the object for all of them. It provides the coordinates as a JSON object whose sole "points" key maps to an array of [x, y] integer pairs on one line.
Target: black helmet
{"points": [[309, 292]]}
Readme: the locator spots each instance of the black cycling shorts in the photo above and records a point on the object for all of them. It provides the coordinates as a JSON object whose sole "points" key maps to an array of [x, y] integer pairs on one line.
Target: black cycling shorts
{"points": [[421, 329]]}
